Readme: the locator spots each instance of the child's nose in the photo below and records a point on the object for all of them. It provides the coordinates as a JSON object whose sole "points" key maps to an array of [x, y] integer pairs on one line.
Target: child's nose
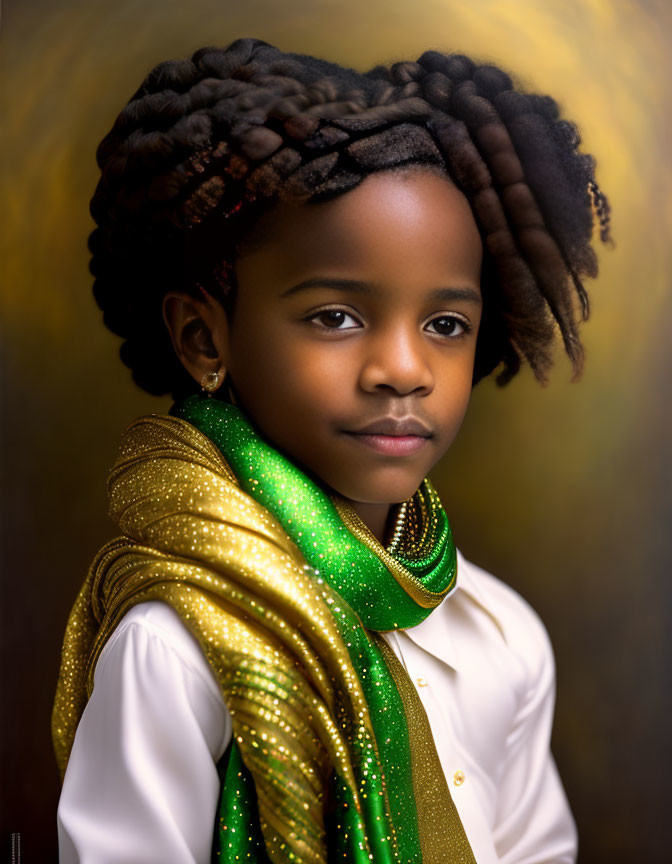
{"points": [[398, 360]]}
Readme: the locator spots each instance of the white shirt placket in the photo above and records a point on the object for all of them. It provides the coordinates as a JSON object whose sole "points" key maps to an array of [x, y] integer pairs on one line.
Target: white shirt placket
{"points": [[454, 766]]}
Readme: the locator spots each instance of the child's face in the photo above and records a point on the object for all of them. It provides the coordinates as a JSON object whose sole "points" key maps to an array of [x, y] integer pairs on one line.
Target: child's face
{"points": [[314, 365]]}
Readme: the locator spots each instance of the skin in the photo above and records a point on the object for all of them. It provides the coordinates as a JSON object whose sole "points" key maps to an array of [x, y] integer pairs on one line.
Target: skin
{"points": [[311, 366]]}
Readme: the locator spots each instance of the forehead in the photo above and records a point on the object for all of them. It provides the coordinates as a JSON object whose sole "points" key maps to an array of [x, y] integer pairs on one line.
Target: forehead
{"points": [[390, 218]]}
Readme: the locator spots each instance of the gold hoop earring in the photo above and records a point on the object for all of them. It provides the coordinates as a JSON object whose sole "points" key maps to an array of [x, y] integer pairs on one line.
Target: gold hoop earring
{"points": [[210, 382]]}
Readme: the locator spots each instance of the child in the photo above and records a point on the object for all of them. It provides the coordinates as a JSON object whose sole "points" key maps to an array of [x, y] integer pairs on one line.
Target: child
{"points": [[292, 660]]}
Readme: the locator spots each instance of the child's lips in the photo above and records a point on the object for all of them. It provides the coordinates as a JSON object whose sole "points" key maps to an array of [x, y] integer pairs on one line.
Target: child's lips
{"points": [[391, 445], [394, 426]]}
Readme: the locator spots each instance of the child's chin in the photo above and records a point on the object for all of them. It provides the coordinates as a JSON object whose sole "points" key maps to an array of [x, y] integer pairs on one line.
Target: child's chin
{"points": [[381, 492]]}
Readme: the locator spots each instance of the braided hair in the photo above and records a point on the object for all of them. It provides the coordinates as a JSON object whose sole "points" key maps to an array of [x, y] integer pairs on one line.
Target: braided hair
{"points": [[209, 146]]}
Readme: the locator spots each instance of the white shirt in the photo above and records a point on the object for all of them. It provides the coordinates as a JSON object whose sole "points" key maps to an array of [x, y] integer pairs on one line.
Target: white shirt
{"points": [[142, 786]]}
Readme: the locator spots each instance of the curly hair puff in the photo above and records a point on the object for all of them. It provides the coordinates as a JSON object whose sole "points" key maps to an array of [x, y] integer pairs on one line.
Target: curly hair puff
{"points": [[208, 145]]}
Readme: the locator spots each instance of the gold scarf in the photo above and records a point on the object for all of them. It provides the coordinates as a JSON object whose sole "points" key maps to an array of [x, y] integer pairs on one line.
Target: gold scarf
{"points": [[192, 538]]}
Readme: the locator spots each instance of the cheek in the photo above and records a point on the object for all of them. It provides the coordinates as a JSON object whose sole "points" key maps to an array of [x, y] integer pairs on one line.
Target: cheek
{"points": [[280, 367], [452, 393], [316, 387]]}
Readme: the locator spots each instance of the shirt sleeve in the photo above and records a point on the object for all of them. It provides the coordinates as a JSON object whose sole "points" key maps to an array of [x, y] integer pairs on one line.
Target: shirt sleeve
{"points": [[141, 783], [534, 824]]}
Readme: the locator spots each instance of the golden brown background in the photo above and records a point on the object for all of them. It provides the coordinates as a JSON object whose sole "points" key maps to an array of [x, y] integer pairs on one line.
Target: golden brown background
{"points": [[564, 492]]}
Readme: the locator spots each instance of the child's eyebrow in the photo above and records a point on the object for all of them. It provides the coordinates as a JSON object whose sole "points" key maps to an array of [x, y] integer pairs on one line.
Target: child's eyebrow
{"points": [[341, 284]]}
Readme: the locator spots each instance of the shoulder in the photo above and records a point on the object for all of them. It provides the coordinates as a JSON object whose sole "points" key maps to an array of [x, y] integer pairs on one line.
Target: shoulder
{"points": [[152, 630], [522, 632]]}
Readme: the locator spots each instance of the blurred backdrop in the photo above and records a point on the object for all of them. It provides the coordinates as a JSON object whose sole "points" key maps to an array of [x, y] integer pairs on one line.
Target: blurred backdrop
{"points": [[564, 492]]}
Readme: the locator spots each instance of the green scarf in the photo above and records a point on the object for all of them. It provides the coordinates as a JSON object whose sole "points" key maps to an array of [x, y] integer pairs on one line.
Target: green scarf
{"points": [[312, 520], [349, 771]]}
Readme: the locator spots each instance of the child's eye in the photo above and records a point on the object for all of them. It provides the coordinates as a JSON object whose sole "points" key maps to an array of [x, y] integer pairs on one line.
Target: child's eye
{"points": [[335, 319], [445, 326], [332, 319]]}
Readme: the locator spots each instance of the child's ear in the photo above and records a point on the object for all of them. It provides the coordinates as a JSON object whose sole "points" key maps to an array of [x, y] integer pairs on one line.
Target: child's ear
{"points": [[198, 330]]}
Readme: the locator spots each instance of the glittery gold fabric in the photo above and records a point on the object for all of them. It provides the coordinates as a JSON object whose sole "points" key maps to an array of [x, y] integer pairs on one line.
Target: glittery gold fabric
{"points": [[273, 632]]}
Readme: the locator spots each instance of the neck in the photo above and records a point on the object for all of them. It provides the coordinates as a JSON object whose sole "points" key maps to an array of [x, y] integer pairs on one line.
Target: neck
{"points": [[376, 517]]}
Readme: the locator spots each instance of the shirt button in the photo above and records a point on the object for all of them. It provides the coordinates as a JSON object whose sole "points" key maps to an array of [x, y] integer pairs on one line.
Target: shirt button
{"points": [[458, 778], [421, 682]]}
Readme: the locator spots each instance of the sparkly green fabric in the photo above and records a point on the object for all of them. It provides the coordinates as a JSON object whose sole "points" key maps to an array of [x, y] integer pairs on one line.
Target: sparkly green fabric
{"points": [[312, 521], [373, 600]]}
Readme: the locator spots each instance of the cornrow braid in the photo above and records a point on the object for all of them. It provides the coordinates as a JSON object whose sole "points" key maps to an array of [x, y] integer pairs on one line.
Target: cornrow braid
{"points": [[208, 146]]}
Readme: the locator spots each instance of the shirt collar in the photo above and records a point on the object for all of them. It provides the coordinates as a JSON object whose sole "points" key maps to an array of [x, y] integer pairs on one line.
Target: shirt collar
{"points": [[435, 634]]}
